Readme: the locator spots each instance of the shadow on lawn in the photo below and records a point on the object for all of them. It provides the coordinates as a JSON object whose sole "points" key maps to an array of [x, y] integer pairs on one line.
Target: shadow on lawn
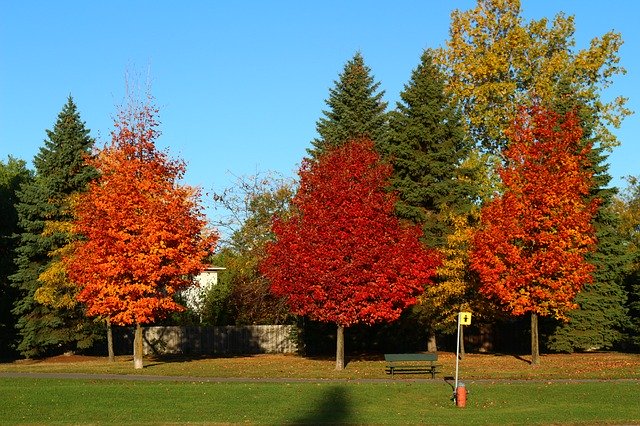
{"points": [[516, 356], [333, 408]]}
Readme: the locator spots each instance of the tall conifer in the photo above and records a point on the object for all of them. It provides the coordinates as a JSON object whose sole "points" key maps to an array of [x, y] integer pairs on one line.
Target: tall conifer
{"points": [[356, 109], [428, 148], [601, 317], [13, 174], [60, 171], [627, 206], [436, 184]]}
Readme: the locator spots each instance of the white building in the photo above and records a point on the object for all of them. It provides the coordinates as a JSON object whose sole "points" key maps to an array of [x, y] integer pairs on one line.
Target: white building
{"points": [[202, 283]]}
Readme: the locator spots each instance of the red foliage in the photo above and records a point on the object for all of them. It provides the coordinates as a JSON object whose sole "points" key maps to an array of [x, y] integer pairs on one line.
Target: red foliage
{"points": [[530, 251], [341, 256], [144, 233]]}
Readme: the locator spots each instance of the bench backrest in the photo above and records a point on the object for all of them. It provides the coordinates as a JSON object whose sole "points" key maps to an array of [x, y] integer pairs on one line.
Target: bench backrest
{"points": [[411, 357]]}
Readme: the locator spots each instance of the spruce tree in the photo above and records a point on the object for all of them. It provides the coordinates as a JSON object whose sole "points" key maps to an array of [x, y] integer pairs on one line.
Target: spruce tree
{"points": [[428, 149], [436, 183], [60, 171], [13, 174], [599, 321], [356, 109], [627, 205]]}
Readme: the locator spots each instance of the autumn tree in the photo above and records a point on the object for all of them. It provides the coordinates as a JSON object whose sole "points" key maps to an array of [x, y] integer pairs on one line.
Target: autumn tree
{"points": [[60, 172], [530, 251], [145, 233], [341, 256], [13, 174], [356, 109], [496, 61], [435, 180]]}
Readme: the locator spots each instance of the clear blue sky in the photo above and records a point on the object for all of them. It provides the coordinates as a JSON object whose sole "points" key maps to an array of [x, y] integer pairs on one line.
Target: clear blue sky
{"points": [[241, 84]]}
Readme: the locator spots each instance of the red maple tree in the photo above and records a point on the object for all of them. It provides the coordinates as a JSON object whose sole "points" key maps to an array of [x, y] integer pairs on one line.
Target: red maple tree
{"points": [[144, 232], [530, 250], [341, 256]]}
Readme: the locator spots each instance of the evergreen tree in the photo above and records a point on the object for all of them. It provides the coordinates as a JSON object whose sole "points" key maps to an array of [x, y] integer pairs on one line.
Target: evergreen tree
{"points": [[13, 174], [599, 321], [428, 149], [60, 171], [356, 109], [627, 206], [436, 183]]}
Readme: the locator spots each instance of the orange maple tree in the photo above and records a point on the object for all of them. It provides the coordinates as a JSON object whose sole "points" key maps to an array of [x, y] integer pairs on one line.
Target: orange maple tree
{"points": [[530, 250], [341, 256], [144, 233]]}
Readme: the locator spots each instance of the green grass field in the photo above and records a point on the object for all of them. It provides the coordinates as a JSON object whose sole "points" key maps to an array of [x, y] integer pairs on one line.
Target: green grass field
{"points": [[52, 401], [590, 389]]}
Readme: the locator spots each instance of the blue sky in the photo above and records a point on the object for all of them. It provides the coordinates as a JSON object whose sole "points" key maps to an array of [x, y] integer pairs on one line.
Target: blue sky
{"points": [[241, 84]]}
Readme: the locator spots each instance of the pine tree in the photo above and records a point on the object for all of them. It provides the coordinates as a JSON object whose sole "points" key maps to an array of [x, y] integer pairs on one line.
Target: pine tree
{"points": [[356, 109], [428, 149], [435, 181], [13, 174], [60, 171], [627, 207], [601, 317]]}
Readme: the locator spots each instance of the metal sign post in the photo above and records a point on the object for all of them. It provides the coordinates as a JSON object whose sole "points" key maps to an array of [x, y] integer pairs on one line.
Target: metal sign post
{"points": [[464, 318]]}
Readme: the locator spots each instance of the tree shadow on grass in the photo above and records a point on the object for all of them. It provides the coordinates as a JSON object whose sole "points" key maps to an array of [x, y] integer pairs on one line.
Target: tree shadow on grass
{"points": [[519, 357], [332, 409]]}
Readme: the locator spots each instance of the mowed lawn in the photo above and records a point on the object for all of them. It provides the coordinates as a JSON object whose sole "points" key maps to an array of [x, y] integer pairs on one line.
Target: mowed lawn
{"points": [[564, 389]]}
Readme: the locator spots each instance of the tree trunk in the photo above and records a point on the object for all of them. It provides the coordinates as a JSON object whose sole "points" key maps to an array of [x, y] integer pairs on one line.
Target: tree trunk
{"points": [[138, 348], [340, 348], [535, 350], [112, 357], [432, 343]]}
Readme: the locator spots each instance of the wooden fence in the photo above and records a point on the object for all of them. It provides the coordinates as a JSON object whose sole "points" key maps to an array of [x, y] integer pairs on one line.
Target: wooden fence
{"points": [[250, 339]]}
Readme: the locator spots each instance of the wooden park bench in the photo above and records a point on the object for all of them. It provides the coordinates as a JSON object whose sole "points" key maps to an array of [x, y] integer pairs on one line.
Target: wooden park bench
{"points": [[412, 363]]}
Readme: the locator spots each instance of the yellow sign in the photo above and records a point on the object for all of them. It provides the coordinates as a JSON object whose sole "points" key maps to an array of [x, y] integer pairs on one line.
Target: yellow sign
{"points": [[464, 318]]}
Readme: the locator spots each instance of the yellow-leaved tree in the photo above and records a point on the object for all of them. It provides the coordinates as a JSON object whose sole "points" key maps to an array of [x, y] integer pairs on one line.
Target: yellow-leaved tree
{"points": [[495, 61]]}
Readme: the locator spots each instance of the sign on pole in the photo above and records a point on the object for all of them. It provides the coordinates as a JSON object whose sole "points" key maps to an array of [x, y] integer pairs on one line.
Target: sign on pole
{"points": [[464, 318]]}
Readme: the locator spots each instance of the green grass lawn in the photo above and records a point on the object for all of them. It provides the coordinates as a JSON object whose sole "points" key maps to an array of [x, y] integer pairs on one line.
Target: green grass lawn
{"points": [[53, 401], [593, 389]]}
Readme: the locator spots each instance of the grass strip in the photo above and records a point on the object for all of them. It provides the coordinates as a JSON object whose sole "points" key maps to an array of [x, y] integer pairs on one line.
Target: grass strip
{"points": [[56, 401], [474, 366]]}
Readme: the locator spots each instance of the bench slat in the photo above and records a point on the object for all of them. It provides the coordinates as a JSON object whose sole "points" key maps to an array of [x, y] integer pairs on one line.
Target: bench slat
{"points": [[401, 363], [411, 357]]}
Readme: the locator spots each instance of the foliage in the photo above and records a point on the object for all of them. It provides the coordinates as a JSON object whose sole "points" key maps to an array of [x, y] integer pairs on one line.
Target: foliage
{"points": [[341, 256], [428, 150], [242, 295], [437, 182], [56, 290], [144, 232], [60, 171], [356, 109], [627, 205], [13, 174], [496, 62], [601, 317], [530, 251]]}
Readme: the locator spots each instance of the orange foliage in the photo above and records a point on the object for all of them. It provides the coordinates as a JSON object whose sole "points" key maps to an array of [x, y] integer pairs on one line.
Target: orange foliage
{"points": [[530, 251], [144, 233]]}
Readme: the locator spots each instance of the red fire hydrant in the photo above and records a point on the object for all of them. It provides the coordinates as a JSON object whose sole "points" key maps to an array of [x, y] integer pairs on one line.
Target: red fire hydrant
{"points": [[461, 395]]}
